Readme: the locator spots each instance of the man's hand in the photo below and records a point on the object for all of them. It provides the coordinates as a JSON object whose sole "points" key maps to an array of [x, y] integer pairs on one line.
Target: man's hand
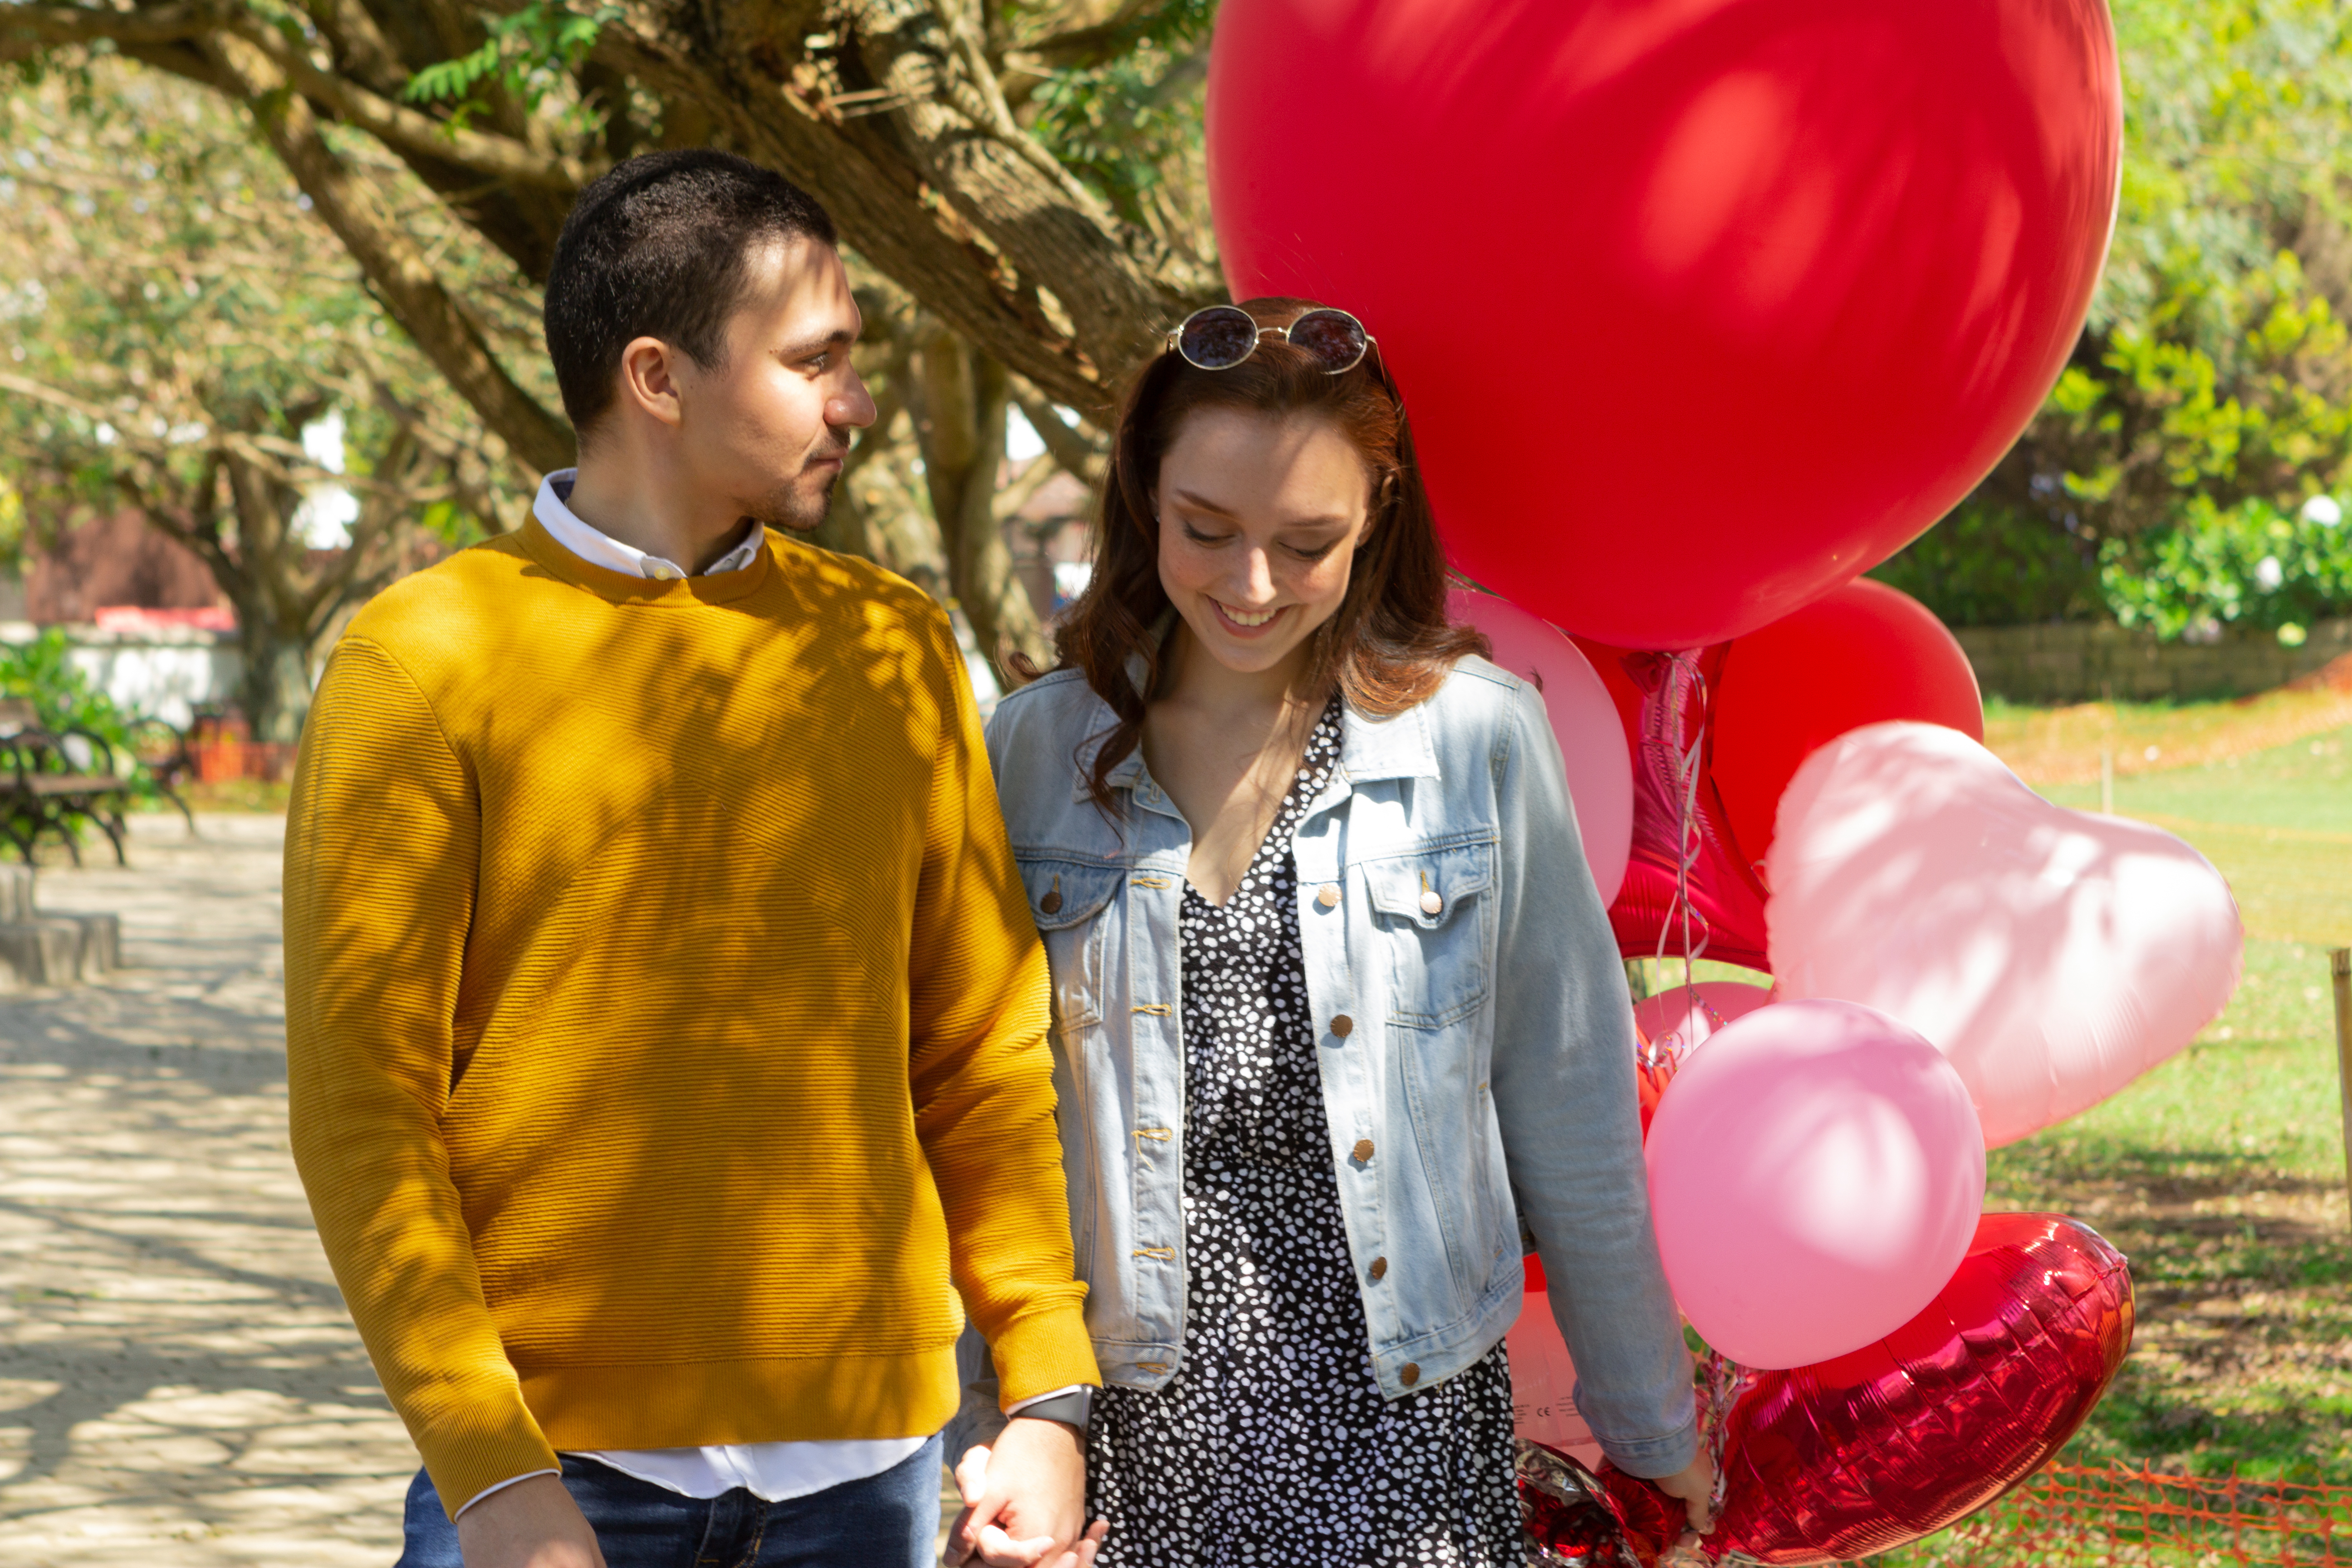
{"points": [[1694, 1484], [1025, 1501], [530, 1524]]}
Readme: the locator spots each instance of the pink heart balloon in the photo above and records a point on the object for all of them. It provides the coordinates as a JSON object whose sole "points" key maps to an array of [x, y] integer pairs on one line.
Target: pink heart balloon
{"points": [[2052, 955], [1583, 717]]}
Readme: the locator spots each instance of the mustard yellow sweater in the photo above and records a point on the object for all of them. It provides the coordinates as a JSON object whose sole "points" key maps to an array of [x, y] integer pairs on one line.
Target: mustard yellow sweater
{"points": [[665, 1020]]}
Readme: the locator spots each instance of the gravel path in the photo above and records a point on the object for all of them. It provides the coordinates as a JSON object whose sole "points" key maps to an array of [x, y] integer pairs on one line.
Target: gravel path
{"points": [[179, 1384]]}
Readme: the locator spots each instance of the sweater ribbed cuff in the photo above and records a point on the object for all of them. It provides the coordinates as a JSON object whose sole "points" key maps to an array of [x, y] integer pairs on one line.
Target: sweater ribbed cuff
{"points": [[467, 1461], [1043, 1351]]}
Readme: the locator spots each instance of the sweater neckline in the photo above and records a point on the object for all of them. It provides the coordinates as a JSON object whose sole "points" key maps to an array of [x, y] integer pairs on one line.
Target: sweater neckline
{"points": [[621, 588]]}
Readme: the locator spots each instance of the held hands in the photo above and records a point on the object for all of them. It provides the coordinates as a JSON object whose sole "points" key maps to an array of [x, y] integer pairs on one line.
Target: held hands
{"points": [[533, 1523], [1025, 1501]]}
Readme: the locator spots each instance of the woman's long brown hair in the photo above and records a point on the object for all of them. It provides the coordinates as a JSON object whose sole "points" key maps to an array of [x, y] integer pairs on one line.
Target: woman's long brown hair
{"points": [[1388, 646]]}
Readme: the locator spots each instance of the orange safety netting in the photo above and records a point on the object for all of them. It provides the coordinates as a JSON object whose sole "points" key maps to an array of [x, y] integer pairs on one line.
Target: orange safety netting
{"points": [[2118, 1516]]}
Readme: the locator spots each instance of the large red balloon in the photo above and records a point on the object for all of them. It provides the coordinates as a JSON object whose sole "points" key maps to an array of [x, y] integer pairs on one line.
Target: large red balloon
{"points": [[1862, 654], [1871, 1451], [1700, 306]]}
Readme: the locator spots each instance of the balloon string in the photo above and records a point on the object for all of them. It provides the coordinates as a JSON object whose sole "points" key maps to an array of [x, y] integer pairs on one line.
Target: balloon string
{"points": [[1725, 1378], [1684, 694]]}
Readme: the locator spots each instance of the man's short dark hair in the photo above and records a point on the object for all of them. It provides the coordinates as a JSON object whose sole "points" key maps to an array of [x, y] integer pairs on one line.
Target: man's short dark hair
{"points": [[660, 248]]}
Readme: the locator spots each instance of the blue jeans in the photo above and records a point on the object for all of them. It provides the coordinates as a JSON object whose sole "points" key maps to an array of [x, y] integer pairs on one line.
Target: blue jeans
{"points": [[881, 1521]]}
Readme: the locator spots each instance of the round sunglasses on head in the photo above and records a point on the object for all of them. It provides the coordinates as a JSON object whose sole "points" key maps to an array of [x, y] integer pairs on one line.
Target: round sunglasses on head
{"points": [[1219, 337]]}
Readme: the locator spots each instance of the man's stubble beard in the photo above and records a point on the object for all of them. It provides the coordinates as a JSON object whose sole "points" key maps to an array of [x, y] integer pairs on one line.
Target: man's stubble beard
{"points": [[788, 506]]}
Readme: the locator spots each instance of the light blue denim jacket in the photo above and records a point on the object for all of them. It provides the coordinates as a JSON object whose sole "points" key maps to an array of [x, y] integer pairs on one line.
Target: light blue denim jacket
{"points": [[1475, 1049]]}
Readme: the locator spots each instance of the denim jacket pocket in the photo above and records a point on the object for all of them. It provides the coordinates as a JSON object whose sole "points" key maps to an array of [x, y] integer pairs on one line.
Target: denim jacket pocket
{"points": [[1067, 898], [1427, 906]]}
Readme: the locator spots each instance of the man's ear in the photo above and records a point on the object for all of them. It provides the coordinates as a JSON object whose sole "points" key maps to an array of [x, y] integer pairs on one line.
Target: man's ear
{"points": [[649, 380]]}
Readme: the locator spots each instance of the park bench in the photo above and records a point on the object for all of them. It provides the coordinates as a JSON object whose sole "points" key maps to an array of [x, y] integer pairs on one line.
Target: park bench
{"points": [[53, 781], [164, 755]]}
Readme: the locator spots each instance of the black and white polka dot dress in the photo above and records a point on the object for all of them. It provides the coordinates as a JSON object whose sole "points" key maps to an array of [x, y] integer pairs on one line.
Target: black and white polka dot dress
{"points": [[1273, 1444]]}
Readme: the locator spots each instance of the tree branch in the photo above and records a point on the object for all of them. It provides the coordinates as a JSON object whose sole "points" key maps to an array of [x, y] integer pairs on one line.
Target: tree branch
{"points": [[374, 525], [42, 27], [205, 543], [41, 391], [411, 290], [398, 126], [1024, 486], [932, 199], [1073, 450], [357, 45], [1080, 48]]}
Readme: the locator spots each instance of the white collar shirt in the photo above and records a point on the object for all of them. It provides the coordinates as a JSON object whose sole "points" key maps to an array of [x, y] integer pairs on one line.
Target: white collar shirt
{"points": [[554, 509]]}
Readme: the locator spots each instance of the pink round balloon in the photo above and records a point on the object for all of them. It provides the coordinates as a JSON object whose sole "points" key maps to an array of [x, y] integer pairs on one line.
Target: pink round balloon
{"points": [[1816, 1172], [2054, 955], [1592, 741]]}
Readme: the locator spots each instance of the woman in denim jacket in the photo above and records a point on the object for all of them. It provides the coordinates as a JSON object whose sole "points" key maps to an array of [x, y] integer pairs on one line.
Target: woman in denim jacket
{"points": [[1337, 1015]]}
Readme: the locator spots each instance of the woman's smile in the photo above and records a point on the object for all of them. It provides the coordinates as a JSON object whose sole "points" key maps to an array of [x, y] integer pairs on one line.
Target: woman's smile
{"points": [[1245, 622]]}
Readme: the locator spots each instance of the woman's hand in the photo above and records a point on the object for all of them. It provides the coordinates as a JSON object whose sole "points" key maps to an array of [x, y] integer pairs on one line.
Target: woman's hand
{"points": [[1694, 1484]]}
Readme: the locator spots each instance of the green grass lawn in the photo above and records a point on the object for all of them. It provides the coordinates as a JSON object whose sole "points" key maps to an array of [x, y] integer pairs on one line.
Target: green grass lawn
{"points": [[2278, 824], [2221, 1175]]}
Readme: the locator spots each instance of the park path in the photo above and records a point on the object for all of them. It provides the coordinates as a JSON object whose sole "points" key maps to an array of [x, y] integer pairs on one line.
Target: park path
{"points": [[179, 1384]]}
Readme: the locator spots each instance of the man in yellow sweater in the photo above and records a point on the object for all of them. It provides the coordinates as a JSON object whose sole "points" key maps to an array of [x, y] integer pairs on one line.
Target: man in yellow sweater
{"points": [[665, 1019]]}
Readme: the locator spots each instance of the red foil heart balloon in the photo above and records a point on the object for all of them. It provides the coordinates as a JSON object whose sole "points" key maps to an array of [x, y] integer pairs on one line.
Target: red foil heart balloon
{"points": [[1871, 1450]]}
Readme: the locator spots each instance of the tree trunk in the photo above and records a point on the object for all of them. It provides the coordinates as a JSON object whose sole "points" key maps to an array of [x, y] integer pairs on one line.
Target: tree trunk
{"points": [[276, 689], [960, 399]]}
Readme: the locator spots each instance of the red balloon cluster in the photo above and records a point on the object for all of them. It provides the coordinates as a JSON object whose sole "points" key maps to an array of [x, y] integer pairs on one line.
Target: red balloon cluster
{"points": [[1746, 714], [1700, 309]]}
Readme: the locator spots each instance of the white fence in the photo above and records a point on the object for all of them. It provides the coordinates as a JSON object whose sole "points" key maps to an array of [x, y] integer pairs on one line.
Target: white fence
{"points": [[162, 673]]}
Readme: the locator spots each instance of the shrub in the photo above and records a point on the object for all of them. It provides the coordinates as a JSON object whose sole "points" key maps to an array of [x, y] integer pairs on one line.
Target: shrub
{"points": [[2249, 564]]}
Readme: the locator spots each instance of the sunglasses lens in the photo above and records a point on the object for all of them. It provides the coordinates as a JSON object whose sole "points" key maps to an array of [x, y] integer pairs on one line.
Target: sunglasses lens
{"points": [[1333, 339], [1218, 338]]}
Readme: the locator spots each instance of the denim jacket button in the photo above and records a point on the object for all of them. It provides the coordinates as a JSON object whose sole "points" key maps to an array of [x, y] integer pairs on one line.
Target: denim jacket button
{"points": [[1327, 895], [1343, 1026], [1433, 903], [1380, 1268], [1410, 1375], [1363, 1151]]}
